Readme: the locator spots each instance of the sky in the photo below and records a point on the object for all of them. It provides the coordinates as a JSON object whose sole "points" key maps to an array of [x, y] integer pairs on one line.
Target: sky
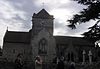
{"points": [[17, 15]]}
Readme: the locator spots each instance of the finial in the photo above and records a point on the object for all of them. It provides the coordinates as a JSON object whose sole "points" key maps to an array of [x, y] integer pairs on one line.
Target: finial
{"points": [[7, 28], [43, 4]]}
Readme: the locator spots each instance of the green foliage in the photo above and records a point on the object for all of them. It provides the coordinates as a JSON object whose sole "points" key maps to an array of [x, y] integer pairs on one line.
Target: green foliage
{"points": [[92, 12], [93, 33]]}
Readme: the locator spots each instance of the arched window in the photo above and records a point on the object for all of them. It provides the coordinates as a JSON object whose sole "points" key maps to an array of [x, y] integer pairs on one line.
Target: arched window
{"points": [[42, 46]]}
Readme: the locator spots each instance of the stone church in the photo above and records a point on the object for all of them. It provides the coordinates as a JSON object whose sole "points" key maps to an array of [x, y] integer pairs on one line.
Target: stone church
{"points": [[40, 41]]}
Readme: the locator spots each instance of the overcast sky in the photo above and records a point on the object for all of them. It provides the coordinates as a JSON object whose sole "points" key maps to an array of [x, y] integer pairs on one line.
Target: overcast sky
{"points": [[16, 14]]}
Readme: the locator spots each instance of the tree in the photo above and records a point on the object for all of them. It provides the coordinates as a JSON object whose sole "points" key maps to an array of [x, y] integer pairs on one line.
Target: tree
{"points": [[93, 33], [92, 12]]}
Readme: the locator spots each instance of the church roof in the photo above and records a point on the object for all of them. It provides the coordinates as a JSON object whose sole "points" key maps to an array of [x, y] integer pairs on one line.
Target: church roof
{"points": [[74, 40], [17, 37], [42, 14]]}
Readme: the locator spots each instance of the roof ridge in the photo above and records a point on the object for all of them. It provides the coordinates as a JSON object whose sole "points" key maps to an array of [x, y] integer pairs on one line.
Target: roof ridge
{"points": [[42, 11], [17, 32], [69, 36]]}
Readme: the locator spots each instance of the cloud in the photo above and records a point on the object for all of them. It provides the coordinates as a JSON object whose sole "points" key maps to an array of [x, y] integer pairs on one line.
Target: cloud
{"points": [[65, 31], [17, 15], [9, 16]]}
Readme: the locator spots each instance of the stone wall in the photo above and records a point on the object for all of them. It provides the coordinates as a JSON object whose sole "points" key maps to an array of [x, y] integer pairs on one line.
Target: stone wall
{"points": [[11, 50], [50, 44]]}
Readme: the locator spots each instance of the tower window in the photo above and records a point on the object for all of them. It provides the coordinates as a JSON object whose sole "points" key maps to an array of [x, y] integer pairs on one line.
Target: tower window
{"points": [[42, 46]]}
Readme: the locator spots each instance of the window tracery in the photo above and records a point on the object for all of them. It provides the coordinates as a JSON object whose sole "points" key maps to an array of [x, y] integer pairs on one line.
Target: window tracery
{"points": [[42, 46]]}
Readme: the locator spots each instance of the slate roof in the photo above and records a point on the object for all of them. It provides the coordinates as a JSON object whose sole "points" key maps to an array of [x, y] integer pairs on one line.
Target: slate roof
{"points": [[42, 14], [24, 37], [17, 37], [74, 40]]}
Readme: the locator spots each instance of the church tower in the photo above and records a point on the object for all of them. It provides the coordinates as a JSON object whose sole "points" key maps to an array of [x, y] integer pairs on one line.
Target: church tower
{"points": [[42, 20], [42, 40]]}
